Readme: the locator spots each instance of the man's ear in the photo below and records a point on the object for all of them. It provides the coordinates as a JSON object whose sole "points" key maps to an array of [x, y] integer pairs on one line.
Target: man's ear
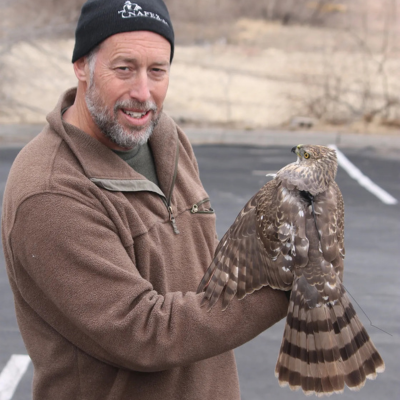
{"points": [[82, 69]]}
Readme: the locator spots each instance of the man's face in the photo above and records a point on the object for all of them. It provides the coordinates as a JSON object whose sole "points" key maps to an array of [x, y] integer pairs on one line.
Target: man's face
{"points": [[129, 79]]}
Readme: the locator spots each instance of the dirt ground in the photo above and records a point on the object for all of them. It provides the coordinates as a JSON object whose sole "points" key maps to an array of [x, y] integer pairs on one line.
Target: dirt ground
{"points": [[264, 74]]}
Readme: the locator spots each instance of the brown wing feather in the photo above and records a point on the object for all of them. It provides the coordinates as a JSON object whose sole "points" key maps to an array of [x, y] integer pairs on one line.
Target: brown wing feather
{"points": [[340, 231], [329, 209], [281, 218], [265, 242], [228, 258]]}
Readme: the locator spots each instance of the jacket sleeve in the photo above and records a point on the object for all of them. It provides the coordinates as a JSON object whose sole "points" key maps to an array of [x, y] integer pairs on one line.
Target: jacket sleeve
{"points": [[72, 269]]}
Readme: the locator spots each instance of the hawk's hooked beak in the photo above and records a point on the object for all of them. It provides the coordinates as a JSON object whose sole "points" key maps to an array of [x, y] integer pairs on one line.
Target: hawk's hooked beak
{"points": [[294, 149]]}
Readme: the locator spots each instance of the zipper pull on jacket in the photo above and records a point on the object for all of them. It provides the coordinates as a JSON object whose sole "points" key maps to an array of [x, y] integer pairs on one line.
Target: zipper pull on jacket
{"points": [[172, 219]]}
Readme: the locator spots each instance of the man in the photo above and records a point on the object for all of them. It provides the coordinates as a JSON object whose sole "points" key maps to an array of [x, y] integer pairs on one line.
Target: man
{"points": [[103, 244]]}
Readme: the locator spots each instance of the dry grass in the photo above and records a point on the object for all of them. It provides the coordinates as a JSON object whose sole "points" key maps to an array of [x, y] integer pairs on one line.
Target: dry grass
{"points": [[198, 21], [336, 61]]}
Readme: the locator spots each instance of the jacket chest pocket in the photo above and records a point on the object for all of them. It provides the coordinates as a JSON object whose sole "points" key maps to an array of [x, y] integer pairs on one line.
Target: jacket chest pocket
{"points": [[202, 207]]}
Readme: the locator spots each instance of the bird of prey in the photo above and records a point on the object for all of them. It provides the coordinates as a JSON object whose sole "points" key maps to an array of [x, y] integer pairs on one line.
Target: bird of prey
{"points": [[290, 236]]}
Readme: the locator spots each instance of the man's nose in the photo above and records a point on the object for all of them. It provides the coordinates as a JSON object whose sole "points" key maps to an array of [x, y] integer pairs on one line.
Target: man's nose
{"points": [[140, 89]]}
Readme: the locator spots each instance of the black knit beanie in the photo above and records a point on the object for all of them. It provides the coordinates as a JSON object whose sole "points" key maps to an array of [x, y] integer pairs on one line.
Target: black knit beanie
{"points": [[100, 19]]}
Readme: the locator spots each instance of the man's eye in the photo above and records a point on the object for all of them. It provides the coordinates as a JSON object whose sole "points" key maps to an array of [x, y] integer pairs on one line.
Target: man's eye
{"points": [[123, 68]]}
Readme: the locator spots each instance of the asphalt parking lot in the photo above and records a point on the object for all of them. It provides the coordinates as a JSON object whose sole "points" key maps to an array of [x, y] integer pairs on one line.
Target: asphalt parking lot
{"points": [[232, 174]]}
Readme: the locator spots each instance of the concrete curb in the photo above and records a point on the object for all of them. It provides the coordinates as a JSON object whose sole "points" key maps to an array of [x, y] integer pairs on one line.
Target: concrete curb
{"points": [[19, 135], [291, 138]]}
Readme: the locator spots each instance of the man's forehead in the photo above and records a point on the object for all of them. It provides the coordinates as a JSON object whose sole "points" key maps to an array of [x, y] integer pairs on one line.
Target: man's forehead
{"points": [[137, 35], [129, 46]]}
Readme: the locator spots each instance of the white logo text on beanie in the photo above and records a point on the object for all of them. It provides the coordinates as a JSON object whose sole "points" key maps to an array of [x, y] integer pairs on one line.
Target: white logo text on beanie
{"points": [[133, 10]]}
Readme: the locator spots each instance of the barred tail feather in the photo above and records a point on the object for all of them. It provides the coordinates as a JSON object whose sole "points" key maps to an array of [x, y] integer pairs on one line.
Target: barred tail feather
{"points": [[361, 360], [325, 348]]}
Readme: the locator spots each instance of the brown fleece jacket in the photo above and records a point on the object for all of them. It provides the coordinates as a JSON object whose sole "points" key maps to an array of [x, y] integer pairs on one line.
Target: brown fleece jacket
{"points": [[104, 289]]}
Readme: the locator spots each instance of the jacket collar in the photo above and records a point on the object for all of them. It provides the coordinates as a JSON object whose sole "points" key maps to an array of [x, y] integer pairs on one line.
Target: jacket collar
{"points": [[100, 163]]}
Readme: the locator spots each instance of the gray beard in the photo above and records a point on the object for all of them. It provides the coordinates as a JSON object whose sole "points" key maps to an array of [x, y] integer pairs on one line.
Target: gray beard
{"points": [[109, 126]]}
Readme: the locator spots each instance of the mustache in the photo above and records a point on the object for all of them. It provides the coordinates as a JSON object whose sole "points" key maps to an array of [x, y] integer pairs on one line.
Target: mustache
{"points": [[137, 105]]}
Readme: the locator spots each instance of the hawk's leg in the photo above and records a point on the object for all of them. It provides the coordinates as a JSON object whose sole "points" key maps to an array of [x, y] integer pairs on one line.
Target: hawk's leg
{"points": [[310, 198]]}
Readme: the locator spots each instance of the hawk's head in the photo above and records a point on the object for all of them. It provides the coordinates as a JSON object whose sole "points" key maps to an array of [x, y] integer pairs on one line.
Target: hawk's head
{"points": [[308, 153], [314, 169]]}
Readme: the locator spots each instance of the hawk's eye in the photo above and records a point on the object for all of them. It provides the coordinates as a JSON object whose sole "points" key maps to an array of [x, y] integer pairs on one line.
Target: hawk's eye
{"points": [[306, 155]]}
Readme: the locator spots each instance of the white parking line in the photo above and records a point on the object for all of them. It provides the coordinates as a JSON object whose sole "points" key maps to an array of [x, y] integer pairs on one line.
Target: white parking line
{"points": [[262, 173], [12, 374], [363, 180]]}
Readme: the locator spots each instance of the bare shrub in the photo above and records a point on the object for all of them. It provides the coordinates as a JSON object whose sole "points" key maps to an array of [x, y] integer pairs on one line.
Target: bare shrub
{"points": [[359, 80], [199, 21]]}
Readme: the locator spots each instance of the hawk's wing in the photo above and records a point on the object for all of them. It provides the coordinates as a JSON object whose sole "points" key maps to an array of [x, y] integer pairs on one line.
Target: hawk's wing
{"points": [[261, 247], [340, 231], [330, 214]]}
